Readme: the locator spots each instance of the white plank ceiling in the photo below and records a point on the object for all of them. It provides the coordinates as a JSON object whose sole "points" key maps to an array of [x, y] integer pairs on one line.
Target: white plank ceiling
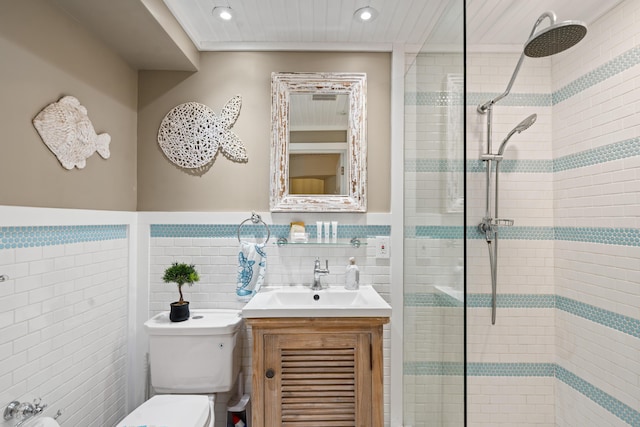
{"points": [[329, 24], [136, 28]]}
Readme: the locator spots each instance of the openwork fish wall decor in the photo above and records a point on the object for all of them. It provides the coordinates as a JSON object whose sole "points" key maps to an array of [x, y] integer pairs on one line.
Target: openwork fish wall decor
{"points": [[191, 134], [65, 128]]}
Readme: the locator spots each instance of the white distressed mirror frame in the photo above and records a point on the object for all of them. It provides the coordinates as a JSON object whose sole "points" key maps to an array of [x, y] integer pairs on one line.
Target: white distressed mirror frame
{"points": [[282, 86]]}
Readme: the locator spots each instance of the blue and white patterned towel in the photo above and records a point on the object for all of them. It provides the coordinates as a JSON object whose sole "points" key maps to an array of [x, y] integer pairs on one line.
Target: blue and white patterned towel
{"points": [[252, 265]]}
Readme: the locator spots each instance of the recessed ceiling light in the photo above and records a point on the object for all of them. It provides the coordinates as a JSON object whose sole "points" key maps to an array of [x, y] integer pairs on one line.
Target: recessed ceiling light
{"points": [[365, 14], [223, 13]]}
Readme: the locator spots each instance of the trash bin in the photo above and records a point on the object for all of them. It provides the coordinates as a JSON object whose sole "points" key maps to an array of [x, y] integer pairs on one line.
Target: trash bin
{"points": [[239, 413]]}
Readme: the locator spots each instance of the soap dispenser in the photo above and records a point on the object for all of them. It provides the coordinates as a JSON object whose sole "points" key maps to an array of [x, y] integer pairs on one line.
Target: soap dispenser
{"points": [[352, 281]]}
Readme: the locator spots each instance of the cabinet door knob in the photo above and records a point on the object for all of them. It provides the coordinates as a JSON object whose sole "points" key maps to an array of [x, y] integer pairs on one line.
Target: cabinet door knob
{"points": [[269, 373]]}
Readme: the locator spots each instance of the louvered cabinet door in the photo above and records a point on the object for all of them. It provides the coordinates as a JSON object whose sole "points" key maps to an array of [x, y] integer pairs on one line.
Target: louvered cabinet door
{"points": [[317, 380], [317, 372]]}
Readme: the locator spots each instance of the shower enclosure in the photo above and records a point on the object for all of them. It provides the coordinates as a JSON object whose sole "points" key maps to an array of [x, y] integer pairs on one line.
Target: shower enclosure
{"points": [[564, 349], [433, 365]]}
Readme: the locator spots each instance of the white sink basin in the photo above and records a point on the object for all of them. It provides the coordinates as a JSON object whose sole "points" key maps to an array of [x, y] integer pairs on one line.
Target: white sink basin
{"points": [[301, 301]]}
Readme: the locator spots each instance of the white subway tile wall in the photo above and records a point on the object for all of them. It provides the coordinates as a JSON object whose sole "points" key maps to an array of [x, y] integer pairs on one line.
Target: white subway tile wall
{"points": [[64, 322], [601, 123], [571, 272]]}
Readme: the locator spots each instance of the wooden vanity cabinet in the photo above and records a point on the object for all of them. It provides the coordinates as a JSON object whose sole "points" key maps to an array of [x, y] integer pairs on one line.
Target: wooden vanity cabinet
{"points": [[317, 372]]}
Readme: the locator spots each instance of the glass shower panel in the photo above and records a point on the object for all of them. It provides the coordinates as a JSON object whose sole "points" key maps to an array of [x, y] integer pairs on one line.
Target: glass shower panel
{"points": [[433, 365]]}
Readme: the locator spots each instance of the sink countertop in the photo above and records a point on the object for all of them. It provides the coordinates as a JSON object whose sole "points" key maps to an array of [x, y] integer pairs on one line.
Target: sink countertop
{"points": [[301, 301]]}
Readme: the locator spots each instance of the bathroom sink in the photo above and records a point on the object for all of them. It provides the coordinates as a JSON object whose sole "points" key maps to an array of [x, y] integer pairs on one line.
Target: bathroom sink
{"points": [[301, 301], [41, 422]]}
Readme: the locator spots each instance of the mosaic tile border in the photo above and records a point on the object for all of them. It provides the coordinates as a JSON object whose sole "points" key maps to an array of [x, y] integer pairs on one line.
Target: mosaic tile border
{"points": [[36, 236], [513, 166], [605, 400], [512, 300], [433, 98], [607, 153], [599, 235], [613, 320], [608, 236], [430, 300], [277, 230], [510, 369], [551, 370], [610, 319], [516, 233], [433, 368], [433, 165], [436, 232], [513, 100], [605, 71]]}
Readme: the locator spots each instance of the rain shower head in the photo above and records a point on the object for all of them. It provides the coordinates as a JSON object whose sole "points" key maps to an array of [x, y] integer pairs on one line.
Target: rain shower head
{"points": [[523, 125], [555, 38], [549, 41]]}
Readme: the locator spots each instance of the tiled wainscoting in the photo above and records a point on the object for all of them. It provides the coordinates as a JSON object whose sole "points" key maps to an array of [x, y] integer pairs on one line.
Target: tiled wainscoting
{"points": [[64, 316]]}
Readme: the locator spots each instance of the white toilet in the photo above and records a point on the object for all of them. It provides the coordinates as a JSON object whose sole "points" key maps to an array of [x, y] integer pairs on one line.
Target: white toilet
{"points": [[189, 361]]}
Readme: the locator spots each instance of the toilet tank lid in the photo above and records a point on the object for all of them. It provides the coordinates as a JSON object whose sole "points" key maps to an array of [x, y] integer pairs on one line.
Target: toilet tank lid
{"points": [[172, 410], [200, 322]]}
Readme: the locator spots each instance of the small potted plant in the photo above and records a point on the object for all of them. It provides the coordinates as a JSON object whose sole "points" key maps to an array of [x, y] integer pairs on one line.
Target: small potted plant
{"points": [[180, 274]]}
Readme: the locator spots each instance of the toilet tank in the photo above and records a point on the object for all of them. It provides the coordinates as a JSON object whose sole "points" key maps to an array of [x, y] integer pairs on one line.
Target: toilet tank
{"points": [[200, 355]]}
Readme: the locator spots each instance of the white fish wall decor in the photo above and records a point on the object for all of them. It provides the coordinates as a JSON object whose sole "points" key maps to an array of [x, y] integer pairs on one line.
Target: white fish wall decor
{"points": [[65, 128], [191, 134]]}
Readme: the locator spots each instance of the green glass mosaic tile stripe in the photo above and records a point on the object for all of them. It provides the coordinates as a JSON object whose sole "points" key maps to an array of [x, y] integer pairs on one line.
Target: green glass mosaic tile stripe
{"points": [[513, 166], [433, 99], [433, 368], [607, 153], [513, 100], [430, 300], [616, 321], [476, 166], [615, 151], [525, 233], [619, 409], [511, 369], [418, 368], [610, 319], [515, 233], [34, 236], [445, 232], [258, 230], [607, 236], [433, 165], [614, 406], [512, 300], [607, 70], [526, 166]]}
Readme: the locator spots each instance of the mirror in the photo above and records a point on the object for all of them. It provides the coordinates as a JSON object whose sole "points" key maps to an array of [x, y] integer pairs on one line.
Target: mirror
{"points": [[318, 142]]}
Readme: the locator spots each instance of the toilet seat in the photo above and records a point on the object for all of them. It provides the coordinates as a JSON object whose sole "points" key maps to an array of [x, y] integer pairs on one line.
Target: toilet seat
{"points": [[172, 410]]}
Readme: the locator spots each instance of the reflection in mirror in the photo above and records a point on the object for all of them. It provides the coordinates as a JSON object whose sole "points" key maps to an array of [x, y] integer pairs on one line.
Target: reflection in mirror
{"points": [[318, 126], [318, 149]]}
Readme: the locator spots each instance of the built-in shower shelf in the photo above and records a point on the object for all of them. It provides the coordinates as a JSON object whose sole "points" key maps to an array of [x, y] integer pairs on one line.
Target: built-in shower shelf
{"points": [[502, 222]]}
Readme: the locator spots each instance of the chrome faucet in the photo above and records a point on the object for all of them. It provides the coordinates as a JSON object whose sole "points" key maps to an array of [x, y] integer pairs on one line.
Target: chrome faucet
{"points": [[317, 272], [23, 411]]}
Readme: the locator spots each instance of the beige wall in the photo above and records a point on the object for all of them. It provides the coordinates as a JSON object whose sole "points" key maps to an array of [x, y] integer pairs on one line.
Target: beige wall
{"points": [[46, 55], [229, 186]]}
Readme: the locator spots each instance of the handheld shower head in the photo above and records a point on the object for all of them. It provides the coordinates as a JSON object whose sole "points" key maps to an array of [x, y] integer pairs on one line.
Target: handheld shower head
{"points": [[523, 125], [555, 38]]}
